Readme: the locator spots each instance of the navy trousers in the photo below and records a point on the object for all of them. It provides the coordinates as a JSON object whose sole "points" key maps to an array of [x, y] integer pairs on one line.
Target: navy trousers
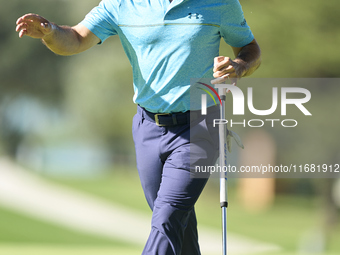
{"points": [[166, 158]]}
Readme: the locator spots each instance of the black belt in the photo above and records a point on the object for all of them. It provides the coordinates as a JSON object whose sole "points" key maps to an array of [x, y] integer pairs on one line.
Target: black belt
{"points": [[169, 119]]}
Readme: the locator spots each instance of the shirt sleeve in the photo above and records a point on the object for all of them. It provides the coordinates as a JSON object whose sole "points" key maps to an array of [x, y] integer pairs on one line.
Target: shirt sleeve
{"points": [[234, 28], [103, 19]]}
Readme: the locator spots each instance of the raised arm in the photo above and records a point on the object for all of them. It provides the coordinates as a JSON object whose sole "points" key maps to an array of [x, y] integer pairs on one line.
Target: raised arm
{"points": [[62, 40]]}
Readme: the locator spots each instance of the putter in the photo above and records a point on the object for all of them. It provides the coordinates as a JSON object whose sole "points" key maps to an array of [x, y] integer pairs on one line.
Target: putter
{"points": [[223, 163], [225, 137]]}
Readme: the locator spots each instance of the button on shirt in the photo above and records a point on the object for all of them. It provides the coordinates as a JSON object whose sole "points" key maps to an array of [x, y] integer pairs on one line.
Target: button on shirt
{"points": [[169, 43]]}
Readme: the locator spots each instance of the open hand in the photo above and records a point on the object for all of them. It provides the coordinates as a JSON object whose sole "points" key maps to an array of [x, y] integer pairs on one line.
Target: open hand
{"points": [[34, 26]]}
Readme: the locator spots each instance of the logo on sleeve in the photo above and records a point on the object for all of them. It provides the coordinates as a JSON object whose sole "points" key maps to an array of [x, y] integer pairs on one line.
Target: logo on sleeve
{"points": [[243, 23]]}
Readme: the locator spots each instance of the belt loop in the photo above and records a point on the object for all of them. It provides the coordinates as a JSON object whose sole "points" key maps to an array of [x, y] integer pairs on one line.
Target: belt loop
{"points": [[142, 113]]}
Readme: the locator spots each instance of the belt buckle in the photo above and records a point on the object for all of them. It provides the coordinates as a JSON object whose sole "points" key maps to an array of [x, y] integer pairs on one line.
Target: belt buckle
{"points": [[157, 119]]}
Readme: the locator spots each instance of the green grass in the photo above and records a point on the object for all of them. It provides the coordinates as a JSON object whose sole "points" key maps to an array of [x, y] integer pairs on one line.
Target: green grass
{"points": [[16, 228], [121, 186], [65, 250], [24, 235]]}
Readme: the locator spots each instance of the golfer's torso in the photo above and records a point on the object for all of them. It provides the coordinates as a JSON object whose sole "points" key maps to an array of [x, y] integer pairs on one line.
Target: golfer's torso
{"points": [[168, 44]]}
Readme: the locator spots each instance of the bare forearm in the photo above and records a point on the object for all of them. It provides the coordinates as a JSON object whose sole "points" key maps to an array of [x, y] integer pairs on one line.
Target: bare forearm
{"points": [[249, 57], [63, 40]]}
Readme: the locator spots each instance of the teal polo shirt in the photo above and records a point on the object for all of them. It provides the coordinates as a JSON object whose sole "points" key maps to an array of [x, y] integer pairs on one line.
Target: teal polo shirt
{"points": [[169, 43]]}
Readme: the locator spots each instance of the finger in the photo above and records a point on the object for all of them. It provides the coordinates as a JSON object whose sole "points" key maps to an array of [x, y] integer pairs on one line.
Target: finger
{"points": [[31, 18], [22, 33], [26, 17], [228, 70], [19, 20], [222, 64], [218, 59], [20, 27]]}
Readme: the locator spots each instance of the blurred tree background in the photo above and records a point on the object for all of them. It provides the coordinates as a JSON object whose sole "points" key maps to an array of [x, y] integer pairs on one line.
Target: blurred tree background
{"points": [[86, 95], [85, 101]]}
